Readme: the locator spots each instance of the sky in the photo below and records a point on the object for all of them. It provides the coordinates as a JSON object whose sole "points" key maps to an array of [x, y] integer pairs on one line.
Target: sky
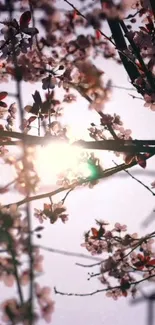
{"points": [[116, 199]]}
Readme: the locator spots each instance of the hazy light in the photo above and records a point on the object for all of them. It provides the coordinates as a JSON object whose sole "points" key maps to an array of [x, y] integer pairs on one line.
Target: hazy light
{"points": [[56, 158]]}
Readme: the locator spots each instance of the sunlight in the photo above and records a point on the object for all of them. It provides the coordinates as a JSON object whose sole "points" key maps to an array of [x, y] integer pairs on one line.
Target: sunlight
{"points": [[58, 157]]}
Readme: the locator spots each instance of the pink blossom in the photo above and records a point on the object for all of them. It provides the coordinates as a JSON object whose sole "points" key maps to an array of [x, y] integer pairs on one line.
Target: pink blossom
{"points": [[42, 294], [12, 304], [148, 246], [25, 277], [37, 264], [45, 302], [134, 258], [39, 215], [151, 274], [47, 311], [119, 227], [114, 293], [69, 98], [153, 184], [9, 280], [150, 101]]}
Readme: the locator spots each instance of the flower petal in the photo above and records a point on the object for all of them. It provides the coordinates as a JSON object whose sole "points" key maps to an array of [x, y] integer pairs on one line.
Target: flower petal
{"points": [[3, 94]]}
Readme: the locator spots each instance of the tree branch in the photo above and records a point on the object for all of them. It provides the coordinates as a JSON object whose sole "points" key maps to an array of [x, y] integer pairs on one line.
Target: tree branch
{"points": [[138, 55], [118, 37], [106, 173], [119, 145], [153, 6], [99, 290], [66, 253]]}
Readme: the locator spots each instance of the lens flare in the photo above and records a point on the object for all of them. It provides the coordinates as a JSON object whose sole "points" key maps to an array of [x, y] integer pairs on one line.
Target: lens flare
{"points": [[56, 158]]}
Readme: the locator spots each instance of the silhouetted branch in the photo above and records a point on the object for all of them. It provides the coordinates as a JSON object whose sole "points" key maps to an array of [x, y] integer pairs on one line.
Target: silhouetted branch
{"points": [[119, 145], [136, 50], [118, 37], [153, 6]]}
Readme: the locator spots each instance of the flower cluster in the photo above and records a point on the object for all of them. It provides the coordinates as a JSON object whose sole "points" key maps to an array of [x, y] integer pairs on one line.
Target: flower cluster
{"points": [[14, 240], [15, 312], [53, 212], [11, 110], [18, 37], [27, 179], [45, 303], [130, 259]]}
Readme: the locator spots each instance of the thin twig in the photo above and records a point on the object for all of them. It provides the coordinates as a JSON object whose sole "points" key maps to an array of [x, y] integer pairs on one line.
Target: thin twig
{"points": [[136, 179], [70, 190], [132, 16], [99, 290], [123, 88], [66, 253], [90, 265], [136, 97], [8, 184]]}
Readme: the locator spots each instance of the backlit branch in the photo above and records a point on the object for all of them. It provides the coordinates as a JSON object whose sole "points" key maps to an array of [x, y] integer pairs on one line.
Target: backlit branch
{"points": [[106, 173], [119, 145]]}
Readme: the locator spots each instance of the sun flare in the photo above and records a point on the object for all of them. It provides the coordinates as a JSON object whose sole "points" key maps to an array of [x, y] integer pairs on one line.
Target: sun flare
{"points": [[56, 158]]}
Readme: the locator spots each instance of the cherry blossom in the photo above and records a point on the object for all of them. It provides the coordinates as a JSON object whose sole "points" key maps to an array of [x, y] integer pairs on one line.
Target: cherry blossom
{"points": [[45, 302], [119, 227], [150, 102], [114, 293]]}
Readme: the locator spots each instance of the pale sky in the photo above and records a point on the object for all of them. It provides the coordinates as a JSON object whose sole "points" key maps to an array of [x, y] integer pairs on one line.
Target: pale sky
{"points": [[116, 199]]}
